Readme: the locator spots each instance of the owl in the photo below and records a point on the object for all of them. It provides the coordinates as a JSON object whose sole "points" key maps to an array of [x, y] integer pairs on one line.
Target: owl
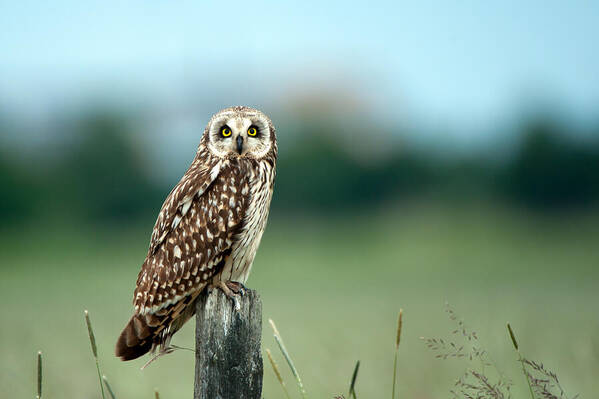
{"points": [[208, 229]]}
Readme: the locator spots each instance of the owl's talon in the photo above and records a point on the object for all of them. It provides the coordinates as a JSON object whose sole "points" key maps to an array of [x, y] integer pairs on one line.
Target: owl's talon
{"points": [[231, 289], [236, 287]]}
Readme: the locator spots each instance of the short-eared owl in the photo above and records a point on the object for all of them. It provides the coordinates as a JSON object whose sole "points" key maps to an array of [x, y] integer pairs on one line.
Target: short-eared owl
{"points": [[208, 230]]}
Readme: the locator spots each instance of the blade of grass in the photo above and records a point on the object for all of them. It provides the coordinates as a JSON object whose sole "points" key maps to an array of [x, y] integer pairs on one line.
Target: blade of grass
{"points": [[283, 349], [520, 359], [352, 385], [397, 339], [39, 375], [277, 373], [108, 387], [92, 340]]}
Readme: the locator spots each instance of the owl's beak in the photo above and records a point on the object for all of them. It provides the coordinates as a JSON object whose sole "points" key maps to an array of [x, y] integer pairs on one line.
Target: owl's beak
{"points": [[239, 144]]}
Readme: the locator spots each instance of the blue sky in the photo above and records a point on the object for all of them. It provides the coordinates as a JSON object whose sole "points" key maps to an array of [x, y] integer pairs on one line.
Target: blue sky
{"points": [[466, 63]]}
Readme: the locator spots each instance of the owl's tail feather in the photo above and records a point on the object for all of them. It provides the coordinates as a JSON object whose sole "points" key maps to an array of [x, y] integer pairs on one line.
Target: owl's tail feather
{"points": [[136, 340], [146, 332]]}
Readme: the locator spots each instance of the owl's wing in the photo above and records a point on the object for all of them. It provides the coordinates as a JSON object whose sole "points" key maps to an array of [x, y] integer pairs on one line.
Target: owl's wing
{"points": [[190, 244], [193, 184], [193, 242]]}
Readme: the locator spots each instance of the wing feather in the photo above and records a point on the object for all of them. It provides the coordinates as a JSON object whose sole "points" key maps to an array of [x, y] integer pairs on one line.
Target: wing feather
{"points": [[193, 184], [192, 238]]}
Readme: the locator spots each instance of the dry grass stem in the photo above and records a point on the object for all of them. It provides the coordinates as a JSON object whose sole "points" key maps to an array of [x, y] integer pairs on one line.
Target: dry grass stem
{"points": [[542, 383], [108, 387], [92, 340], [277, 373], [156, 394], [465, 345], [283, 349]]}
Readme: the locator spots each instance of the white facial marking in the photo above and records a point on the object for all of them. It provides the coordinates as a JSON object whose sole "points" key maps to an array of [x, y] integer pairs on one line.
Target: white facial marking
{"points": [[239, 122]]}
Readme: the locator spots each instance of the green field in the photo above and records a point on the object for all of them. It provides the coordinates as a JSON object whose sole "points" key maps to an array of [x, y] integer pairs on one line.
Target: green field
{"points": [[334, 288]]}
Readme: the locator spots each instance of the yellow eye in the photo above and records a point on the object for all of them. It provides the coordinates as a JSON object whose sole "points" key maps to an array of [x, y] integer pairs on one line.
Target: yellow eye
{"points": [[225, 131], [252, 131]]}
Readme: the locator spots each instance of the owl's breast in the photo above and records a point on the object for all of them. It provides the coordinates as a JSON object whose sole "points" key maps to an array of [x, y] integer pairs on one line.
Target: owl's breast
{"points": [[247, 241]]}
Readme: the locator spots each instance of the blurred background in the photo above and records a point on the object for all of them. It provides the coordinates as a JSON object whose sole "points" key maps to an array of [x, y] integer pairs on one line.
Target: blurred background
{"points": [[429, 152]]}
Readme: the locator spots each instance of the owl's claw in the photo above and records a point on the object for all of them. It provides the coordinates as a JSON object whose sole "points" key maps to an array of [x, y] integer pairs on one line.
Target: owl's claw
{"points": [[236, 287], [232, 289]]}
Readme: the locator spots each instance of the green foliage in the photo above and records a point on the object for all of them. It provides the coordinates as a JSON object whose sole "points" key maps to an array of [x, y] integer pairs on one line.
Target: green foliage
{"points": [[552, 170], [318, 175], [18, 192], [98, 177], [98, 173], [103, 175]]}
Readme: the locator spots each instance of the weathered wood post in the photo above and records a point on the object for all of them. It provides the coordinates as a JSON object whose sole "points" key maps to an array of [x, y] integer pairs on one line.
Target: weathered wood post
{"points": [[228, 353]]}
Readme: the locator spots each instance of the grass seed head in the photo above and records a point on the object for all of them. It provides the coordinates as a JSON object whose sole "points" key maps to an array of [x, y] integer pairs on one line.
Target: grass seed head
{"points": [[275, 368], [399, 322], [90, 331], [39, 375], [512, 336], [92, 340]]}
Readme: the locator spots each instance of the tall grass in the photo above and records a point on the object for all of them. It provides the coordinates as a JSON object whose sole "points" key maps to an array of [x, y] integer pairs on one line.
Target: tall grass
{"points": [[397, 339], [102, 378], [477, 381], [39, 375], [92, 340], [542, 383], [520, 359], [275, 368], [352, 384], [108, 387], [354, 377], [283, 349]]}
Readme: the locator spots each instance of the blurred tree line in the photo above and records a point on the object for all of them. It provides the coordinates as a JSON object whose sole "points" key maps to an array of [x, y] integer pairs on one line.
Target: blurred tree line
{"points": [[101, 176]]}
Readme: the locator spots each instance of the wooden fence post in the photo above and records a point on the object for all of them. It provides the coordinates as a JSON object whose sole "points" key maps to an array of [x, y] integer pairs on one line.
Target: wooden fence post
{"points": [[228, 353]]}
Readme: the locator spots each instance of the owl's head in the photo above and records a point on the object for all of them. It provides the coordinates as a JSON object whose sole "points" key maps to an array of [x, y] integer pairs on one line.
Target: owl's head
{"points": [[239, 132]]}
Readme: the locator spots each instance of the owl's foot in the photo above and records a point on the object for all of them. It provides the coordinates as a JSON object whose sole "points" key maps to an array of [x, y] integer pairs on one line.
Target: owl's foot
{"points": [[236, 287], [232, 289]]}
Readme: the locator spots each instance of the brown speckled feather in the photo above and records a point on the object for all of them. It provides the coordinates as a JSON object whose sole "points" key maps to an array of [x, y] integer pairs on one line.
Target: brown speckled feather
{"points": [[190, 243]]}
